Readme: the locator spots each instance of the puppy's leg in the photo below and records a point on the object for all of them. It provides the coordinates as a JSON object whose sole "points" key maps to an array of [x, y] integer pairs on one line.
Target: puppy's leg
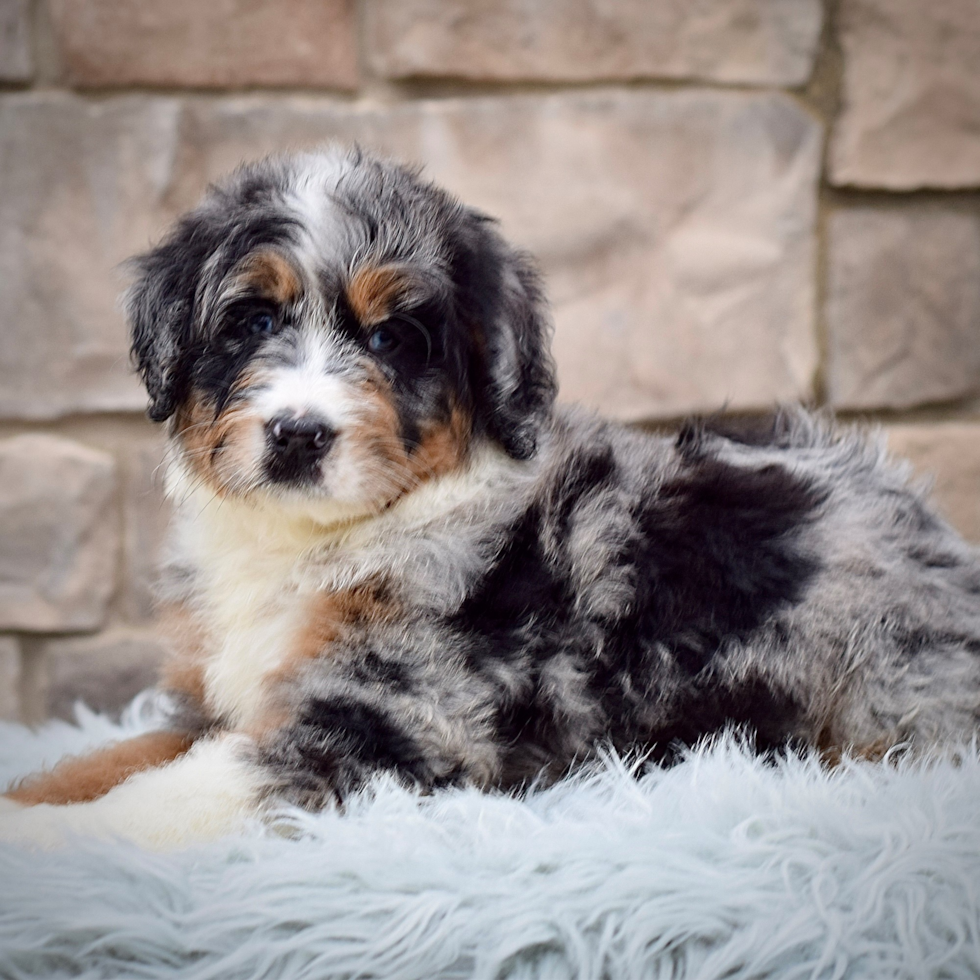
{"points": [[208, 792], [83, 778]]}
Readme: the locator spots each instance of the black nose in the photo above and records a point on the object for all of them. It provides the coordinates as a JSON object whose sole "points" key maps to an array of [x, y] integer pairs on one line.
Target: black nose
{"points": [[297, 443], [299, 434]]}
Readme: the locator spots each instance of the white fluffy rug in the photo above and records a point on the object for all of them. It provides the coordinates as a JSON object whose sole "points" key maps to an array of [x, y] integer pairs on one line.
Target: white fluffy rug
{"points": [[720, 867]]}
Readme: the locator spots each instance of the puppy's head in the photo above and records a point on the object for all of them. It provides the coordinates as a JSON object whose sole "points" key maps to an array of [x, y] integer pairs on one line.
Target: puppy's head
{"points": [[329, 327]]}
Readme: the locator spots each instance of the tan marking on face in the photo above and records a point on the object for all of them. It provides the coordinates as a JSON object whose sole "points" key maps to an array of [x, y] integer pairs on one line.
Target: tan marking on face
{"points": [[84, 778], [330, 617], [443, 447], [195, 429], [375, 438], [217, 448], [373, 289], [271, 275], [376, 445]]}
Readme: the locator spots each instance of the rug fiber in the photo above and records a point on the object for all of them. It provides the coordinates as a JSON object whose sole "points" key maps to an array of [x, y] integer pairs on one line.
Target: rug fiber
{"points": [[722, 867]]}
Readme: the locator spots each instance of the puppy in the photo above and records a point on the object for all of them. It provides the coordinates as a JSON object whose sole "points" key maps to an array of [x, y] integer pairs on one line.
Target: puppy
{"points": [[392, 553]]}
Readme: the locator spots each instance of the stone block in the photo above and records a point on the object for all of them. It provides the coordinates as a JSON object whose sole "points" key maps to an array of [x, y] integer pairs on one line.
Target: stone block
{"points": [[949, 453], [146, 515], [105, 672], [83, 186], [675, 229], [218, 43], [9, 679], [59, 536], [744, 41], [911, 95], [903, 306], [16, 57]]}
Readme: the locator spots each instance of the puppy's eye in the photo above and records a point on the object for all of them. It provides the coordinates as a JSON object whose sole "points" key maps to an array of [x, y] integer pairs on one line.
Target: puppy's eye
{"points": [[383, 341], [261, 322]]}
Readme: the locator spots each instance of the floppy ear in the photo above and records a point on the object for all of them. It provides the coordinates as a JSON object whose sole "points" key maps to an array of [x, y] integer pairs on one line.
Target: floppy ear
{"points": [[515, 374], [160, 308]]}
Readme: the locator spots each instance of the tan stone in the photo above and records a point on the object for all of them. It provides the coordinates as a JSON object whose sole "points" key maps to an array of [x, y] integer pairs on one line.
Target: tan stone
{"points": [[105, 672], [216, 43], [747, 41], [911, 94], [16, 58], [949, 453], [146, 516], [83, 186], [675, 229], [58, 534], [903, 306], [9, 679]]}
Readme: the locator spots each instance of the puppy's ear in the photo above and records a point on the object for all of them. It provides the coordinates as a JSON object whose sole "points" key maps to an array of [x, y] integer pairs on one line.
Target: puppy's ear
{"points": [[160, 308], [515, 374]]}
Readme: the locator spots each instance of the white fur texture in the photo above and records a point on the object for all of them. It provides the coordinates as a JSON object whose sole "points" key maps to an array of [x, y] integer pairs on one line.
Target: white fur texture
{"points": [[210, 792], [720, 867]]}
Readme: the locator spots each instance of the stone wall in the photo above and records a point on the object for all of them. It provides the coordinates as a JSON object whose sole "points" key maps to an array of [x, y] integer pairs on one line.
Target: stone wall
{"points": [[734, 201]]}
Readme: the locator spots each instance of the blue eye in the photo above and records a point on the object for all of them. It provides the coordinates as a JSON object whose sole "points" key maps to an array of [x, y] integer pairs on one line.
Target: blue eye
{"points": [[382, 341], [261, 323]]}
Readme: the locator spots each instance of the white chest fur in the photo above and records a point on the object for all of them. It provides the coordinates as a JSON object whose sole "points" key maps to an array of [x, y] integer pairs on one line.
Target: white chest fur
{"points": [[255, 614], [250, 593]]}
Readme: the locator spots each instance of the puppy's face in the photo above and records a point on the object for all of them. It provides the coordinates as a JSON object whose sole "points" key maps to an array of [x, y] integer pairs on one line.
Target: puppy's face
{"points": [[328, 331]]}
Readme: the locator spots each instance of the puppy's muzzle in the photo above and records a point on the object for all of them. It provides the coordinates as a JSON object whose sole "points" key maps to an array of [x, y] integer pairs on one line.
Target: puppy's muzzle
{"points": [[296, 445]]}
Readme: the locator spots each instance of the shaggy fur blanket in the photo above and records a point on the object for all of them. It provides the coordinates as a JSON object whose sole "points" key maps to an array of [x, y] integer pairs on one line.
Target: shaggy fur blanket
{"points": [[723, 866]]}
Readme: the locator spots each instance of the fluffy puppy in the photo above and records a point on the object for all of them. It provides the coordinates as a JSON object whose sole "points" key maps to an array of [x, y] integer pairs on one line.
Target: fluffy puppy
{"points": [[392, 553]]}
